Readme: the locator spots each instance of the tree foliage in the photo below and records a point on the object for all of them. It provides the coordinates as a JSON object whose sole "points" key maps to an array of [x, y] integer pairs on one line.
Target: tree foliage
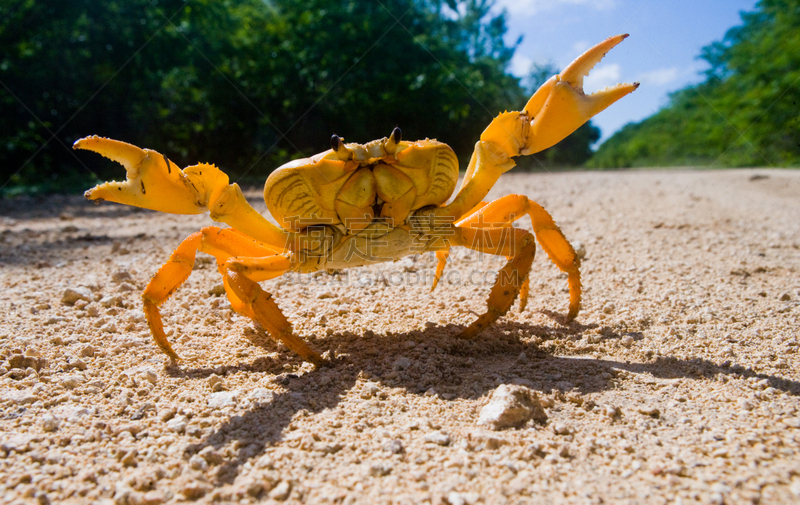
{"points": [[746, 112], [246, 84]]}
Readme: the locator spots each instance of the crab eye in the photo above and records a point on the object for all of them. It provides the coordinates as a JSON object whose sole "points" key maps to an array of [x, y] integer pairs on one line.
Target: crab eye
{"points": [[335, 142], [397, 134]]}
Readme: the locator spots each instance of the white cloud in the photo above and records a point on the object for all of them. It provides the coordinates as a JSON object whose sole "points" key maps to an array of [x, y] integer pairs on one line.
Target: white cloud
{"points": [[601, 77], [660, 76], [527, 8], [520, 65], [580, 46]]}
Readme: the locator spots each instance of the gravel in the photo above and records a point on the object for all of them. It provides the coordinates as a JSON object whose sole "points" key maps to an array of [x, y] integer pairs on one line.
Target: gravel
{"points": [[678, 382]]}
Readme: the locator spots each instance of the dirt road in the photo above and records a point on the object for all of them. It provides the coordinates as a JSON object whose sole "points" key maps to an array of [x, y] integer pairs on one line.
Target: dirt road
{"points": [[678, 383]]}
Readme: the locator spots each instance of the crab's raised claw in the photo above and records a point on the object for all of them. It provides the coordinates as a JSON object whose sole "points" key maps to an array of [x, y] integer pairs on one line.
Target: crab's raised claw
{"points": [[153, 182], [559, 106]]}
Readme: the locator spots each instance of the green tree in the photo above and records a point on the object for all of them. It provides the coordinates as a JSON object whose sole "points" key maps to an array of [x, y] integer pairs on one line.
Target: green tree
{"points": [[246, 84], [746, 112]]}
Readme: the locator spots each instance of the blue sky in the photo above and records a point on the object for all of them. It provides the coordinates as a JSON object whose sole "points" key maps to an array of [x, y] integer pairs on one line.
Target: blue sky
{"points": [[661, 53]]}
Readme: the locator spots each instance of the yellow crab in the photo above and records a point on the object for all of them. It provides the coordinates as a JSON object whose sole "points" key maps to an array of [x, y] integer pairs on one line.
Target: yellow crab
{"points": [[362, 204]]}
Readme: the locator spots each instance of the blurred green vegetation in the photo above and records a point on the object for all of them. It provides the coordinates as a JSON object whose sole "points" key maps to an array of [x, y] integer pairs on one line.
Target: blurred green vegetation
{"points": [[745, 113], [245, 84]]}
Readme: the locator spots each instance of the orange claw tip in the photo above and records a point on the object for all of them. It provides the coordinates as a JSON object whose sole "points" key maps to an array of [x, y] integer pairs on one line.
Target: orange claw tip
{"points": [[127, 155], [583, 64]]}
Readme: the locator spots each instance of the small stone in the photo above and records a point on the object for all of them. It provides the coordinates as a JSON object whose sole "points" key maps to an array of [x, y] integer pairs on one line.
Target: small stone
{"points": [[785, 297], [88, 351], [223, 399], [370, 389], [110, 301], [150, 376], [380, 469], [72, 381], [401, 363], [394, 446], [608, 308], [217, 290], [75, 363], [195, 489], [719, 487], [128, 458], [18, 442], [649, 410], [73, 294], [580, 250], [248, 485], [177, 424], [562, 429], [454, 498], [211, 456], [510, 406], [627, 341], [19, 397], [198, 463], [213, 381], [611, 411], [522, 358], [150, 498], [121, 276], [50, 423], [437, 437], [281, 491], [262, 395], [168, 414], [109, 328]]}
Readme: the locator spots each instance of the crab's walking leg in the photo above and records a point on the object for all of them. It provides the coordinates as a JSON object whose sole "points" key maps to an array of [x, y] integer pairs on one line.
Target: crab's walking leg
{"points": [[517, 244], [237, 256], [508, 209], [558, 108], [263, 309], [441, 256], [441, 261]]}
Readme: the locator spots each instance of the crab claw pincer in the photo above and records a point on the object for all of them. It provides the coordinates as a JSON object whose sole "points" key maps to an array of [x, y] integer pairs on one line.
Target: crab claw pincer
{"points": [[153, 182], [559, 106]]}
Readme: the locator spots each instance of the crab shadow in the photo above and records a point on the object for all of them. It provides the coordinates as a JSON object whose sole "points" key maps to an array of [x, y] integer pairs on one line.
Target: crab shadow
{"points": [[421, 361]]}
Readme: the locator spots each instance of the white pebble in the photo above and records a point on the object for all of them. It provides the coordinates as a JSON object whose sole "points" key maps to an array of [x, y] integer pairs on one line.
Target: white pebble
{"points": [[197, 463], [50, 422], [511, 405], [73, 294], [402, 363], [281, 491], [437, 437], [223, 399]]}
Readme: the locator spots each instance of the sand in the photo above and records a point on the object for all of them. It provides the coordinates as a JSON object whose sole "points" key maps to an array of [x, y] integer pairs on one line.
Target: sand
{"points": [[678, 382]]}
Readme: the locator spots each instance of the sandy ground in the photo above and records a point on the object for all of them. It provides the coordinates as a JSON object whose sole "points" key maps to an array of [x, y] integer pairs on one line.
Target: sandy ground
{"points": [[678, 383]]}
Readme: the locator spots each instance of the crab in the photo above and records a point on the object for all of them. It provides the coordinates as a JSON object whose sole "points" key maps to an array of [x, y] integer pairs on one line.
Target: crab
{"points": [[361, 204]]}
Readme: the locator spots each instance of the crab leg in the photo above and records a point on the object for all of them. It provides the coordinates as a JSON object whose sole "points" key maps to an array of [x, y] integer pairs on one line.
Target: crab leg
{"points": [[515, 243], [558, 108], [153, 182], [510, 208], [245, 295]]}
